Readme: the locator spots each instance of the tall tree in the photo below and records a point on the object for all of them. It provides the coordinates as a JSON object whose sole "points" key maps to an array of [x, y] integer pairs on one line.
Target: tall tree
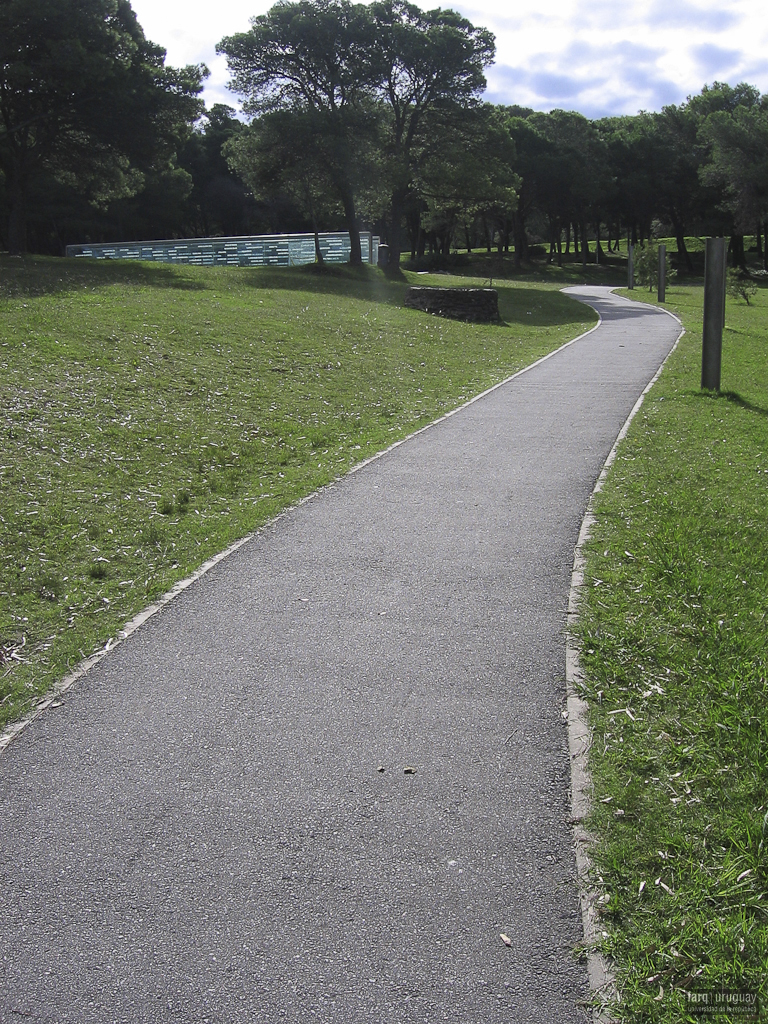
{"points": [[737, 163], [431, 71], [534, 153], [219, 202], [470, 175], [683, 198], [85, 101], [315, 56], [277, 155], [576, 178]]}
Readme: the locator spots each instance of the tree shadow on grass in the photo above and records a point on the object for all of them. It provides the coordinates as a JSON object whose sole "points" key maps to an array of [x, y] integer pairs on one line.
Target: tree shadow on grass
{"points": [[366, 283], [47, 275], [52, 275], [533, 307]]}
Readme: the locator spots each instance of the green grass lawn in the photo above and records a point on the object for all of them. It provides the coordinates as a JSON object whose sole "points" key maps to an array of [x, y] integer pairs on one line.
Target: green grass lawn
{"points": [[152, 414], [674, 638]]}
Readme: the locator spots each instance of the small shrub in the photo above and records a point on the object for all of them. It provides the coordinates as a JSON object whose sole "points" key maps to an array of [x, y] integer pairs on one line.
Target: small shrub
{"points": [[646, 265], [98, 571], [739, 285]]}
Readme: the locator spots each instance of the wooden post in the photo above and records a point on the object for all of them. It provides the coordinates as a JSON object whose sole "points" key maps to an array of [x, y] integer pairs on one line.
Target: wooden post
{"points": [[725, 277], [714, 302], [662, 295], [630, 266]]}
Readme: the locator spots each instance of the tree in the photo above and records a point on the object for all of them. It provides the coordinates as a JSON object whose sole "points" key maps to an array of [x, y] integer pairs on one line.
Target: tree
{"points": [[470, 175], [318, 58], [534, 152], [738, 164], [277, 155], [575, 179], [731, 130], [683, 198], [218, 203], [431, 70], [85, 102]]}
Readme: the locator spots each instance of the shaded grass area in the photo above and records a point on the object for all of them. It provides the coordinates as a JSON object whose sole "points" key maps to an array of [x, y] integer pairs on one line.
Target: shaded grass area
{"points": [[152, 414], [674, 637]]}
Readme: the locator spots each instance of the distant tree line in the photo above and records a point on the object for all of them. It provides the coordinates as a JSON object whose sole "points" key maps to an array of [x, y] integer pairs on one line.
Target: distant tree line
{"points": [[358, 116]]}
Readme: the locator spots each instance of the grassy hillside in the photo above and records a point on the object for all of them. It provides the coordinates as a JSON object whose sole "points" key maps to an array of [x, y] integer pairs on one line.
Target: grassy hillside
{"points": [[674, 640], [152, 414]]}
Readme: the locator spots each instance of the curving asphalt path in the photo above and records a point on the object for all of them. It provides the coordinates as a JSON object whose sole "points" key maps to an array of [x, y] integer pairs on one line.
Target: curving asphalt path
{"points": [[217, 825]]}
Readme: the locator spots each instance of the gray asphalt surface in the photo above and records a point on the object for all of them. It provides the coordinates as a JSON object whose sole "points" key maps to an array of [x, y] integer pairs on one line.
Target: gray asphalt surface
{"points": [[204, 832]]}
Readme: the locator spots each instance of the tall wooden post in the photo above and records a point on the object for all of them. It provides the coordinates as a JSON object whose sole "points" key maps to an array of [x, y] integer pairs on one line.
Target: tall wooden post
{"points": [[662, 295], [630, 266], [714, 305]]}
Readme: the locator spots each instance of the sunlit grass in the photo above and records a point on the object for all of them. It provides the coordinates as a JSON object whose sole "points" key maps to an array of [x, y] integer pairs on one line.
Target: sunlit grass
{"points": [[674, 638]]}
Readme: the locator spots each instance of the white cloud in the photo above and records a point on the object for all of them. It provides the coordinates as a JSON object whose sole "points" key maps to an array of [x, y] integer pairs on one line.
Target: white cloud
{"points": [[595, 56]]}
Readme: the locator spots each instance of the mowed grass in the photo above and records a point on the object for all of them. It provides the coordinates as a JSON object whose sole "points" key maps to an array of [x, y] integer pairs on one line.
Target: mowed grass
{"points": [[150, 415], [674, 637]]}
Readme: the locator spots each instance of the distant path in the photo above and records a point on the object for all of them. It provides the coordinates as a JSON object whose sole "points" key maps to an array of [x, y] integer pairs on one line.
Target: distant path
{"points": [[202, 832]]}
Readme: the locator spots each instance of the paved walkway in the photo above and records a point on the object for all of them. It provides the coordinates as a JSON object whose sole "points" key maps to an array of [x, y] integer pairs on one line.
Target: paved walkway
{"points": [[323, 781]]}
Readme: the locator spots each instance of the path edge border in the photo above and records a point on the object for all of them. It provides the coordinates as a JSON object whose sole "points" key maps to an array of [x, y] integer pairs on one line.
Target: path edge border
{"points": [[602, 983], [52, 699]]}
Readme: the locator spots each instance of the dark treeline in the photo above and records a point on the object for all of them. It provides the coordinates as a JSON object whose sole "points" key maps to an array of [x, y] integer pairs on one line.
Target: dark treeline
{"points": [[359, 116]]}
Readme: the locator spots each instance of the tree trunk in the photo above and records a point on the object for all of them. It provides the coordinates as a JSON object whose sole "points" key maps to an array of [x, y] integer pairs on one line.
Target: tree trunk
{"points": [[682, 251], [17, 223], [584, 243], [759, 240], [318, 252], [521, 240], [397, 205], [350, 216], [737, 251], [487, 234], [599, 254]]}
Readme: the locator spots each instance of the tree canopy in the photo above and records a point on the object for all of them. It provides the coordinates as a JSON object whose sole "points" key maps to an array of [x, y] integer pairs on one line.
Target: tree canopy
{"points": [[356, 114], [366, 73], [86, 103]]}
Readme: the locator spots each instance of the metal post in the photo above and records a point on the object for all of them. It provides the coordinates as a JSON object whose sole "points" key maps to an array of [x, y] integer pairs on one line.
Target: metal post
{"points": [[630, 266], [662, 295], [714, 300]]}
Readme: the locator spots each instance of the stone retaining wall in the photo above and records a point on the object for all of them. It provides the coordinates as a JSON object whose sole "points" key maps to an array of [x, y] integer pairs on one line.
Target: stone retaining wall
{"points": [[480, 305]]}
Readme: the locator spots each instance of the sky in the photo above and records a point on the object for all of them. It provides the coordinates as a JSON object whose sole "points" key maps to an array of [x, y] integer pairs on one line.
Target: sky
{"points": [[598, 57]]}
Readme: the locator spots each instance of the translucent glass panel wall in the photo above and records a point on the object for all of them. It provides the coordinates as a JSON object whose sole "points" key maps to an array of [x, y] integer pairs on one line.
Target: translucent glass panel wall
{"points": [[242, 251]]}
